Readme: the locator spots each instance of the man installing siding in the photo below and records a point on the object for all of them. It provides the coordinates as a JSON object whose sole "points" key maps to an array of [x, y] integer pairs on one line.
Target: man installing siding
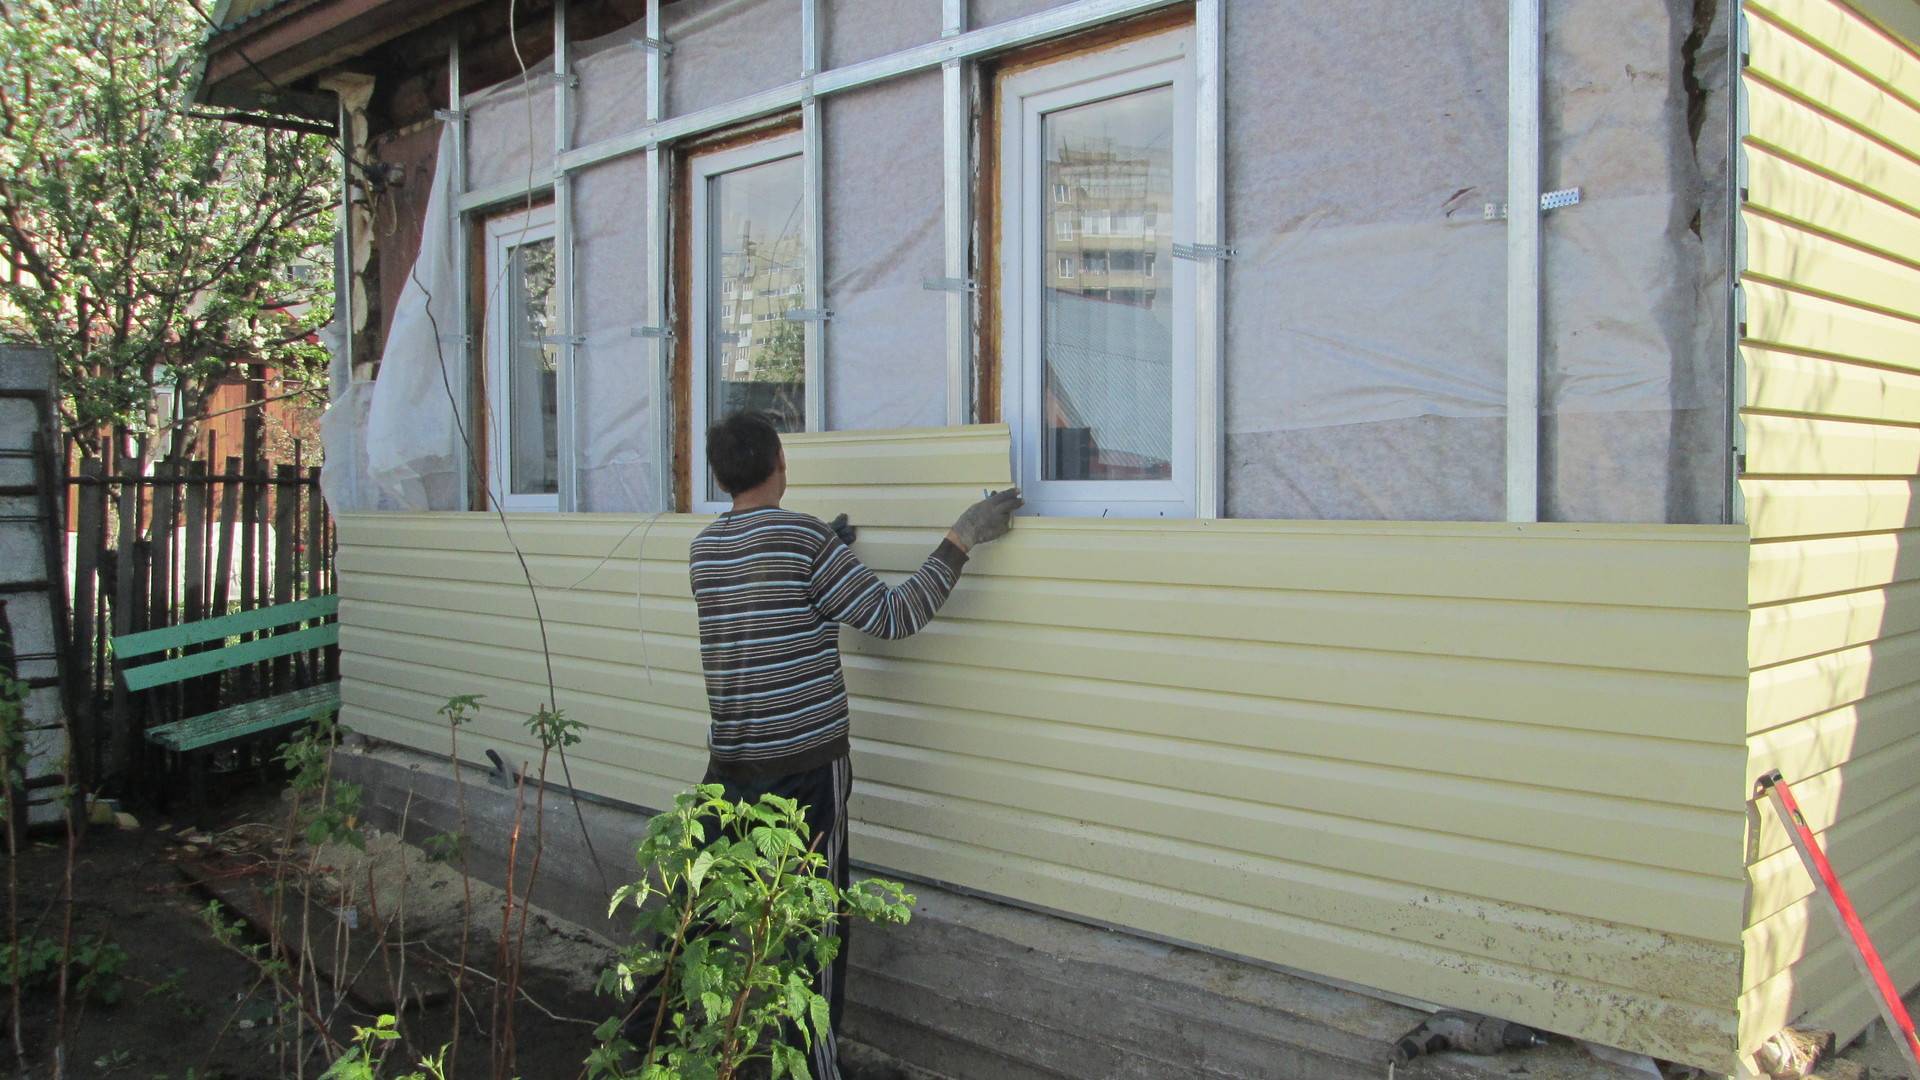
{"points": [[771, 586]]}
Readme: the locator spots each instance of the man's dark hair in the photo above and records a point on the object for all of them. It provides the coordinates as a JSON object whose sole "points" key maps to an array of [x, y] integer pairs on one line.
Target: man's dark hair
{"points": [[742, 450]]}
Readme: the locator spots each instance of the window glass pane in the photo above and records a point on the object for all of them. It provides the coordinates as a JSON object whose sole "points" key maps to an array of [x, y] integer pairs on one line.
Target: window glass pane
{"points": [[1107, 334], [533, 372], [758, 265]]}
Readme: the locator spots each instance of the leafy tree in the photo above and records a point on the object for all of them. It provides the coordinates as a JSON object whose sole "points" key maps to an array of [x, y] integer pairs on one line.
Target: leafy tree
{"points": [[150, 246]]}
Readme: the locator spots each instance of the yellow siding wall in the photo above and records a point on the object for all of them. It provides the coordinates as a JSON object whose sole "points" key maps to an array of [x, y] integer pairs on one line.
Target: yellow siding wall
{"points": [[1831, 350], [1487, 765]]}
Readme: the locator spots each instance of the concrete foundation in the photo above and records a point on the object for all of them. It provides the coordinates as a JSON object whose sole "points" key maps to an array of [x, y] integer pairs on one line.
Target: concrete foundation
{"points": [[973, 987]]}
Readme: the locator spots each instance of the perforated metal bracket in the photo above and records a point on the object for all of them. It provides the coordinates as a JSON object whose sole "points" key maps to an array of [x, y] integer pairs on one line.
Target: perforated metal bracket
{"points": [[664, 48], [807, 315], [1203, 251], [563, 339], [1549, 200], [950, 284], [567, 79], [449, 116], [661, 332]]}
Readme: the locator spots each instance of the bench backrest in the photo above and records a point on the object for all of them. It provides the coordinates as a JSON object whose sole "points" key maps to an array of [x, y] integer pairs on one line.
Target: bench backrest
{"points": [[148, 642]]}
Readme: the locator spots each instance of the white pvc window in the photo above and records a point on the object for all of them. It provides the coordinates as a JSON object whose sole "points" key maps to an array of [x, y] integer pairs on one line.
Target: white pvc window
{"points": [[749, 242], [1099, 382], [524, 377]]}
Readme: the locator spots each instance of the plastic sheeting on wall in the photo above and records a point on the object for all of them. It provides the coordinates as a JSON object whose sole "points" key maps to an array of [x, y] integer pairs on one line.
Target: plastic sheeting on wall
{"points": [[1366, 338], [510, 130], [1633, 349], [886, 357], [617, 450], [392, 444], [727, 49], [414, 450], [1365, 367], [859, 30]]}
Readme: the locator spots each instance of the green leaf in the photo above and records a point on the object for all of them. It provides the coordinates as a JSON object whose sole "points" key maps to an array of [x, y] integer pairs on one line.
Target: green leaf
{"points": [[698, 872]]}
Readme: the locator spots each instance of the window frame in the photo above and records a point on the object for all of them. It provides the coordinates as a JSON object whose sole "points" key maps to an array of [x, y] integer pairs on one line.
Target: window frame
{"points": [[504, 233], [701, 169], [1165, 59]]}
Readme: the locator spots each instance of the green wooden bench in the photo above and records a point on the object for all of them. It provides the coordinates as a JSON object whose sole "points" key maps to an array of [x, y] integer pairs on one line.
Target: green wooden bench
{"points": [[234, 722]]}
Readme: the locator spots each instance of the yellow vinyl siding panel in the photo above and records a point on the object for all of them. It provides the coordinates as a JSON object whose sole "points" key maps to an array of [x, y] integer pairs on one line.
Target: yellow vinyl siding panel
{"points": [[1783, 382], [1800, 68], [1849, 41], [1831, 420], [1787, 125], [1487, 764]]}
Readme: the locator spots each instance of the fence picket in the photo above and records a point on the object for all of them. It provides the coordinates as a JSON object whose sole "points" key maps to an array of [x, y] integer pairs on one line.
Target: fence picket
{"points": [[155, 549]]}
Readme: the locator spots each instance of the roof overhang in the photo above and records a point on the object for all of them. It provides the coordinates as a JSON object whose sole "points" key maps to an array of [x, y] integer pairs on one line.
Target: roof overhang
{"points": [[267, 60]]}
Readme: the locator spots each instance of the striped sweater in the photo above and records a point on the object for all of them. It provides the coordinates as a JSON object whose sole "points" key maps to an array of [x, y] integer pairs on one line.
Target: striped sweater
{"points": [[770, 585]]}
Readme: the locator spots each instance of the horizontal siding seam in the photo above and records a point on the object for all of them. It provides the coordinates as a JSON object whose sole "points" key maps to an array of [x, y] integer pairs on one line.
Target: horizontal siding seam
{"points": [[1756, 145], [1838, 298], [1814, 229], [1782, 22], [1812, 105], [1867, 422], [1509, 785]]}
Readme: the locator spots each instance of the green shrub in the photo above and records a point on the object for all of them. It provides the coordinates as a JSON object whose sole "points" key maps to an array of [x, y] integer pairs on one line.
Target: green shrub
{"points": [[733, 927]]}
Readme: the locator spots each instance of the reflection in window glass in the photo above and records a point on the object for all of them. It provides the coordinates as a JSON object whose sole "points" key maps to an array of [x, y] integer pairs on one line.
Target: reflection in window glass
{"points": [[1109, 350], [533, 372], [758, 257]]}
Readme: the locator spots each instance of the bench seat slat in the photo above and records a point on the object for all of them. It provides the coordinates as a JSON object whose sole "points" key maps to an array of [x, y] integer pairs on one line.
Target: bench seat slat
{"points": [[194, 665], [250, 718], [147, 642]]}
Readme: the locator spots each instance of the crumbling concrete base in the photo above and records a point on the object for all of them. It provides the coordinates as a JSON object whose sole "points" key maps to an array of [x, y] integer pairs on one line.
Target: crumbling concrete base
{"points": [[973, 987]]}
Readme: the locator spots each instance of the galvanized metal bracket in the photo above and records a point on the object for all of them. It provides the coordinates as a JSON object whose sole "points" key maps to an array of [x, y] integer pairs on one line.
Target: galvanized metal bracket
{"points": [[664, 48], [1549, 200], [450, 116], [457, 339], [950, 284], [807, 314], [565, 78], [1199, 252], [662, 332], [563, 339]]}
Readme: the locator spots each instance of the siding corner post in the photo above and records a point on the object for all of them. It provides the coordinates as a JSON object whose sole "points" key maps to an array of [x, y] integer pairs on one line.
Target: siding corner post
{"points": [[1523, 260], [956, 219], [812, 211], [1210, 274], [658, 353], [568, 436]]}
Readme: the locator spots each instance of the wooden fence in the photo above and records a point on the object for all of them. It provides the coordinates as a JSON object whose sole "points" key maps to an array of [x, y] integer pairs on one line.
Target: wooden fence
{"points": [[181, 542]]}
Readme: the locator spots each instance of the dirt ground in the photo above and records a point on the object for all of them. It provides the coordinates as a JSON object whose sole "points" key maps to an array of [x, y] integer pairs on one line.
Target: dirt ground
{"points": [[190, 1008]]}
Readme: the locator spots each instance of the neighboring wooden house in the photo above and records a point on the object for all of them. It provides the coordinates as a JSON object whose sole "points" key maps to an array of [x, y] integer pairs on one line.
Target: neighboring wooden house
{"points": [[1616, 500]]}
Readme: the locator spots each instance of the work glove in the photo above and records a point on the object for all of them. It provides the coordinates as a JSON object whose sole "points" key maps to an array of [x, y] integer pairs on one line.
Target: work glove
{"points": [[987, 520], [842, 529]]}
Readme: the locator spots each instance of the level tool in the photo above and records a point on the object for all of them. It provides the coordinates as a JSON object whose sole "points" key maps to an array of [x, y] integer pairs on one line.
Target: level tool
{"points": [[1892, 1009]]}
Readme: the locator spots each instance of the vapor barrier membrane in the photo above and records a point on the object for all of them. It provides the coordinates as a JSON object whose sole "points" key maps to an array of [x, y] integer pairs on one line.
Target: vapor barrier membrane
{"points": [[1366, 337], [886, 360], [859, 30], [510, 130], [728, 49], [618, 468], [392, 444], [1365, 364]]}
